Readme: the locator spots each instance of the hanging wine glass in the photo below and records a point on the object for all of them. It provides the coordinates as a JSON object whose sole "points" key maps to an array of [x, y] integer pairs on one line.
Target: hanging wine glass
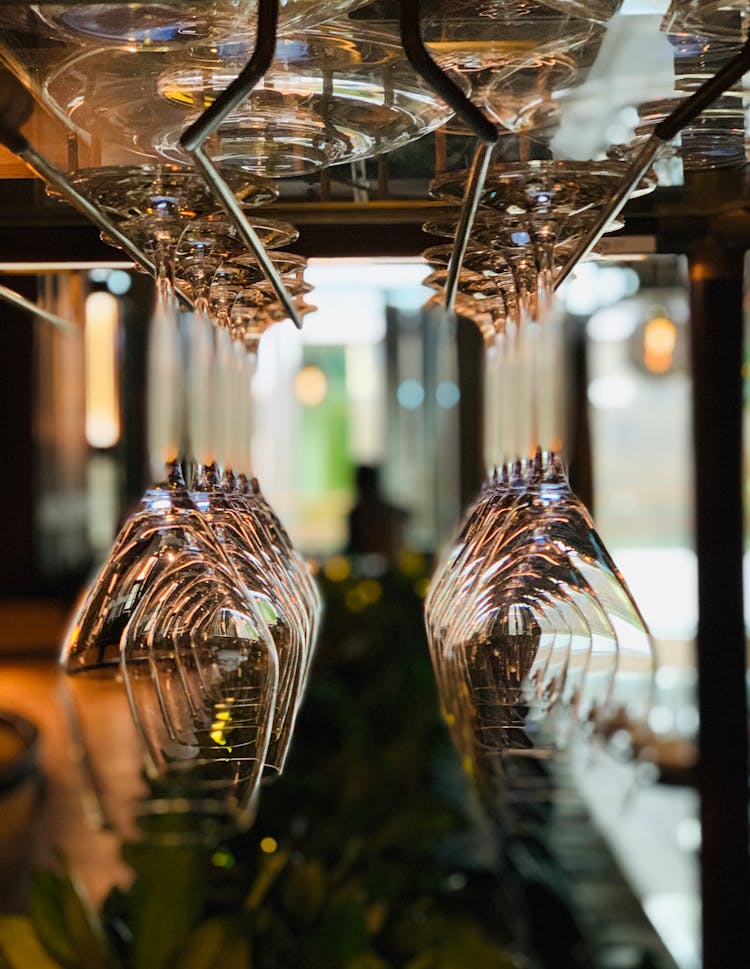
{"points": [[252, 561], [536, 202], [256, 309], [176, 23], [724, 20], [200, 675], [533, 557], [154, 205], [332, 95], [526, 651], [149, 552]]}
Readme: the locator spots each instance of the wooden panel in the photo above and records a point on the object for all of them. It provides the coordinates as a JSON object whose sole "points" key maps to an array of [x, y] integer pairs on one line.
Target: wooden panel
{"points": [[12, 167]]}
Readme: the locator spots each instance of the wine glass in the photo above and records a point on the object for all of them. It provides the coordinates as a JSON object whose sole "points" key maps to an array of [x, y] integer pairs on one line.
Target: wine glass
{"points": [[528, 579], [149, 554], [192, 696], [333, 94], [176, 23], [716, 139], [724, 20], [156, 204], [538, 203], [217, 402], [252, 533], [256, 309], [252, 557]]}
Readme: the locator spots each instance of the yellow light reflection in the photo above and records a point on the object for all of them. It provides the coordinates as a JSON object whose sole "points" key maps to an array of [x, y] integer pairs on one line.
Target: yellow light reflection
{"points": [[102, 390], [337, 568]]}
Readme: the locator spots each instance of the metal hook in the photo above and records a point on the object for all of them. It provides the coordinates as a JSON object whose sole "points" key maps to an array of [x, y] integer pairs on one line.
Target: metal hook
{"points": [[471, 115], [8, 295], [685, 112], [194, 137], [16, 104]]}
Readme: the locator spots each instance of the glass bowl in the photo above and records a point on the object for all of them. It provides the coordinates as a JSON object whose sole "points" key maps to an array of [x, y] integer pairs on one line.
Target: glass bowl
{"points": [[330, 97], [175, 23]]}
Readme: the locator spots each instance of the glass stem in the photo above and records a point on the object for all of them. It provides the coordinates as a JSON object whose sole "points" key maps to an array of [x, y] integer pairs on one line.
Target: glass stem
{"points": [[164, 377], [250, 369], [490, 407]]}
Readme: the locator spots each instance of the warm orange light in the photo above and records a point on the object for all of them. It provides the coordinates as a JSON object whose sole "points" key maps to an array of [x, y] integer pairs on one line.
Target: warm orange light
{"points": [[659, 342], [102, 391], [311, 386]]}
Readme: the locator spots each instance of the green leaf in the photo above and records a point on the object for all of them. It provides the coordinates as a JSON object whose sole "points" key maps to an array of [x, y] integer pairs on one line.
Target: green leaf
{"points": [[48, 916], [271, 867], [19, 945], [166, 901], [65, 922], [86, 929], [305, 890], [369, 960], [218, 943], [342, 935], [463, 945]]}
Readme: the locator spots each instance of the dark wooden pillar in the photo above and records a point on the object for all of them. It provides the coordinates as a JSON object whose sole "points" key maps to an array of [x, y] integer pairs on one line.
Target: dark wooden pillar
{"points": [[716, 278], [17, 486]]}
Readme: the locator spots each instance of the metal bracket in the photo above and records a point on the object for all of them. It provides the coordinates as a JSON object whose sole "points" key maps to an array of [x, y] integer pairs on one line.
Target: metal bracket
{"points": [[194, 137], [8, 295], [475, 119], [18, 106], [685, 112]]}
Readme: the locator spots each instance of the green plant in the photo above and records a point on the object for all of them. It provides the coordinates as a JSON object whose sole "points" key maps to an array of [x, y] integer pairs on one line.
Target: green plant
{"points": [[359, 857]]}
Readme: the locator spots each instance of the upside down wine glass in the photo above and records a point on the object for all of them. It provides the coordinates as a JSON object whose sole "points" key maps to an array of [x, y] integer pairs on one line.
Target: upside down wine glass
{"points": [[213, 409], [168, 546], [532, 629]]}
